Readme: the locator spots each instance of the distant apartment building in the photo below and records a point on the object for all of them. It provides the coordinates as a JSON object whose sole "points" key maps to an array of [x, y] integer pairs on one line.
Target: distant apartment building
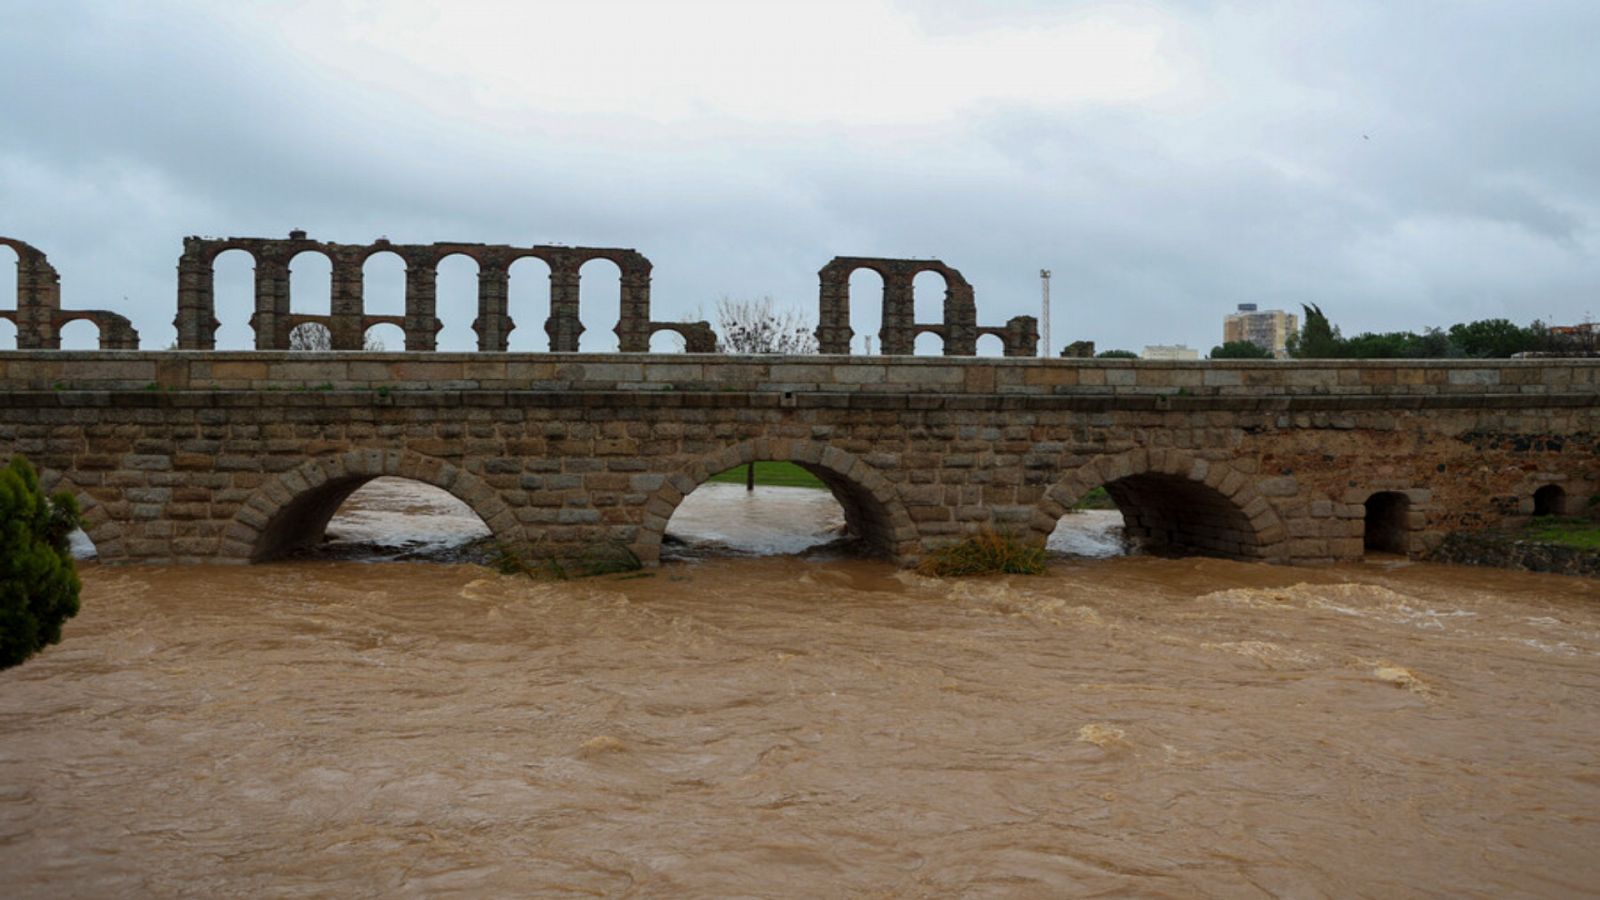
{"points": [[1267, 329], [1170, 351]]}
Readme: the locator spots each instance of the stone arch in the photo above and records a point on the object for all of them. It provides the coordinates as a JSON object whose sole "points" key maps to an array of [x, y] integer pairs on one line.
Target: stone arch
{"points": [[293, 508], [379, 284], [528, 285], [600, 317], [1386, 523], [872, 507], [1174, 500], [697, 337], [324, 297], [62, 321], [458, 297], [383, 334]]}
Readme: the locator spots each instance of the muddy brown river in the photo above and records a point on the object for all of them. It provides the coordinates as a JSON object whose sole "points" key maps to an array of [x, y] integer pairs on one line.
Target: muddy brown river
{"points": [[819, 726]]}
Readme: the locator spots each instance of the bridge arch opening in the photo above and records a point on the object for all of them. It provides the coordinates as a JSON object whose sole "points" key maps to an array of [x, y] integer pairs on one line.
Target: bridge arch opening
{"points": [[383, 286], [1160, 503], [805, 496], [80, 334], [599, 305], [83, 546], [233, 282], [929, 344], [991, 345], [1386, 528], [1161, 514], [374, 518], [1550, 500], [8, 334], [765, 508], [456, 301]]}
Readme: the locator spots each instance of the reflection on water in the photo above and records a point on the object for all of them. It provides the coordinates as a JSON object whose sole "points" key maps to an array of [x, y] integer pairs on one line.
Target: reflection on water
{"points": [[785, 727]]}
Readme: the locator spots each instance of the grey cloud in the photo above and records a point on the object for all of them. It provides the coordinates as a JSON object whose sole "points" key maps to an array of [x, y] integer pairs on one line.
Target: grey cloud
{"points": [[1402, 166]]}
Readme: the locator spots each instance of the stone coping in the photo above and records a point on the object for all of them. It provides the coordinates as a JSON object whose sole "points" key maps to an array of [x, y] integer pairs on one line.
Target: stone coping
{"points": [[206, 371], [91, 405]]}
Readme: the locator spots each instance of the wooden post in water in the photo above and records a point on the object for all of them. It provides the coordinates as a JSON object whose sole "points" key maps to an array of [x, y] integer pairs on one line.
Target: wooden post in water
{"points": [[750, 476]]}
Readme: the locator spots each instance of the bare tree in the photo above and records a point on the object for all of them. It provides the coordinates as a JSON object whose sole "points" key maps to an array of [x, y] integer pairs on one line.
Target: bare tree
{"points": [[756, 326]]}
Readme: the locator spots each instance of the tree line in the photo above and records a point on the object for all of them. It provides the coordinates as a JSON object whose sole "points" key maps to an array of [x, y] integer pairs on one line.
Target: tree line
{"points": [[1483, 339]]}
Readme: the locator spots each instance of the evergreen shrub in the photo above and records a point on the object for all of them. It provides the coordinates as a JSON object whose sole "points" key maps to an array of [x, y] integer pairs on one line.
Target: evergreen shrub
{"points": [[38, 583]]}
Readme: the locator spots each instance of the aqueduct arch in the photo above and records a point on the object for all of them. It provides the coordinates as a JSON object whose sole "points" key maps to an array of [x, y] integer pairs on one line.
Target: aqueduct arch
{"points": [[347, 319], [872, 510], [293, 509], [38, 314], [897, 335], [1173, 500]]}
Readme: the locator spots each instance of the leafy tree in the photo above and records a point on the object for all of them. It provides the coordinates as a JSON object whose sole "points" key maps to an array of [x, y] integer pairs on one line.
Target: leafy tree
{"points": [[755, 326], [38, 584], [1116, 354], [1368, 345], [1492, 338], [1240, 350], [1318, 339], [1432, 343]]}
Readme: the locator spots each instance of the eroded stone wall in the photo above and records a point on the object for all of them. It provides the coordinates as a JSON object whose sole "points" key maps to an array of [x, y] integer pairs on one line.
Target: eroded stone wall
{"points": [[38, 314], [897, 335]]}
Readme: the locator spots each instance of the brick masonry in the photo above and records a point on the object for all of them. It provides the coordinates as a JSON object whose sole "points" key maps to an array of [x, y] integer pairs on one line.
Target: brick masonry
{"points": [[228, 457]]}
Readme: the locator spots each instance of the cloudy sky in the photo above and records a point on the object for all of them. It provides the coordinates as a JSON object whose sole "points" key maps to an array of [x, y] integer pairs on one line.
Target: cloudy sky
{"points": [[1403, 164]]}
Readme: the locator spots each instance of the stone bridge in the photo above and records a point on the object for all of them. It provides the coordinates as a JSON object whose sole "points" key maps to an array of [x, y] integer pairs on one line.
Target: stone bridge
{"points": [[190, 456]]}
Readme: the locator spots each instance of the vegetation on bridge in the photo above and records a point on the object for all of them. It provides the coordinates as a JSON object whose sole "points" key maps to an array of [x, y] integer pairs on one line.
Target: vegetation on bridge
{"points": [[38, 583], [985, 553]]}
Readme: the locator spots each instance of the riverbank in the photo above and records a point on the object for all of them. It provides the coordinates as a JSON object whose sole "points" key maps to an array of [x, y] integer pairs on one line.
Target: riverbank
{"points": [[1553, 544]]}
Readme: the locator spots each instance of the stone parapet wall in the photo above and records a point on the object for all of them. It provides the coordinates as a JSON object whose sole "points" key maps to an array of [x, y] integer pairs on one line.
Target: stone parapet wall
{"points": [[945, 376]]}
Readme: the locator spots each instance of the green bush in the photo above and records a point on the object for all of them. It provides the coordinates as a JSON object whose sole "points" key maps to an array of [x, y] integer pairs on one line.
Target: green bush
{"points": [[38, 584], [985, 553]]}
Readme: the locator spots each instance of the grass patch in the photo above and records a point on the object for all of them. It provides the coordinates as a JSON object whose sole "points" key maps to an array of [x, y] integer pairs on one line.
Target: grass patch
{"points": [[771, 473], [1096, 499], [1564, 531], [986, 553]]}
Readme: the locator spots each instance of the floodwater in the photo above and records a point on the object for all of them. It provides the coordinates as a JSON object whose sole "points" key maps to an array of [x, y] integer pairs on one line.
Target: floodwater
{"points": [[786, 726]]}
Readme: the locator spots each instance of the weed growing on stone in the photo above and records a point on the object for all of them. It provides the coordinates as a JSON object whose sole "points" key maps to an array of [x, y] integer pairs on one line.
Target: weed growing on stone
{"points": [[985, 553]]}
